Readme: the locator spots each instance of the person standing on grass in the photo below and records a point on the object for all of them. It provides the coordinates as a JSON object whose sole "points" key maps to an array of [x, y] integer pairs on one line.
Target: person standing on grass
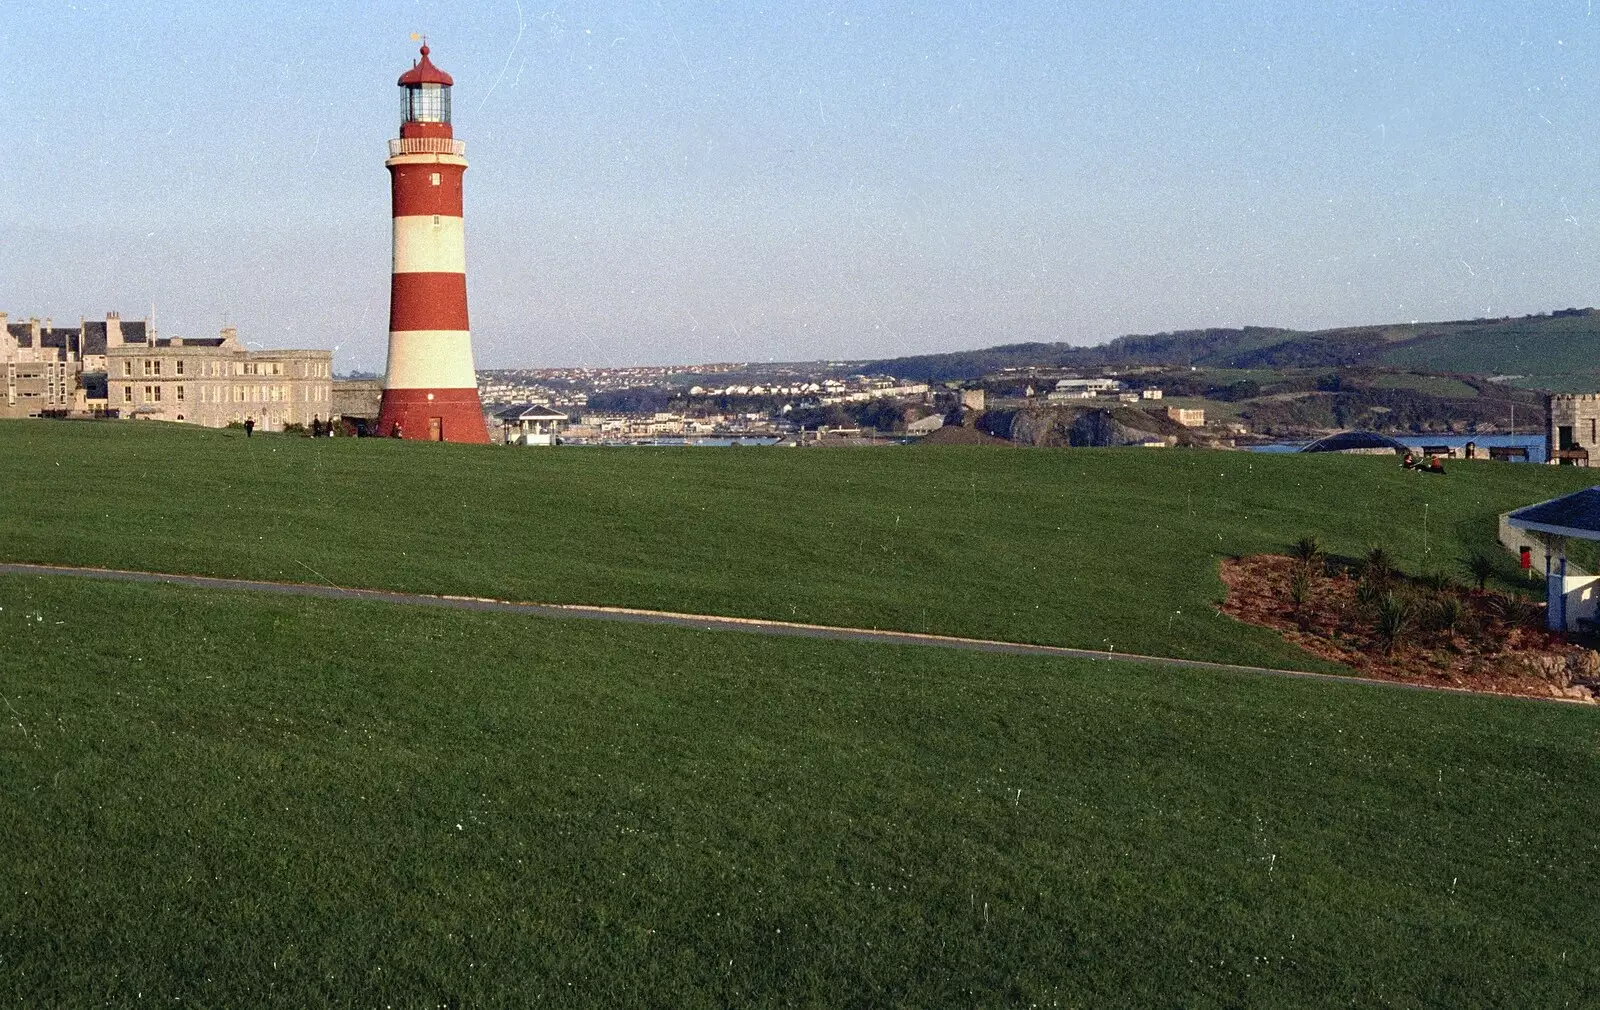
{"points": [[316, 426], [249, 427]]}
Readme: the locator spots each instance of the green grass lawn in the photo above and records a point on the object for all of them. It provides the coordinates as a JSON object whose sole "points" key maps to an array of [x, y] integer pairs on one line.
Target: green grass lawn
{"points": [[217, 799], [1093, 548]]}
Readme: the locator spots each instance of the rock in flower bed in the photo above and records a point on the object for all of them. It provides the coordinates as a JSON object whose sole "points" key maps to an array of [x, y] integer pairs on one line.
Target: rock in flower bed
{"points": [[1423, 631]]}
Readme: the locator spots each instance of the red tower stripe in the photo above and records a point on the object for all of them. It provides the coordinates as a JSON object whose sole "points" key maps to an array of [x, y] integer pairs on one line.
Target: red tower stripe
{"points": [[415, 193], [453, 415], [428, 302]]}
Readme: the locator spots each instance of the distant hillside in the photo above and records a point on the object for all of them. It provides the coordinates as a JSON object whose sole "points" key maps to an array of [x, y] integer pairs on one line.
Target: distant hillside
{"points": [[1555, 351]]}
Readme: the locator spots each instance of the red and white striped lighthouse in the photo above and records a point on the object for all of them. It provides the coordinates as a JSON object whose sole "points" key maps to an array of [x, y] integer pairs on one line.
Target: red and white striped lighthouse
{"points": [[430, 390]]}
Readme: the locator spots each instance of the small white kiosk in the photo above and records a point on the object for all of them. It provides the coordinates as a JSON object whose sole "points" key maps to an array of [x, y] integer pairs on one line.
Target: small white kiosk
{"points": [[530, 424], [1574, 600]]}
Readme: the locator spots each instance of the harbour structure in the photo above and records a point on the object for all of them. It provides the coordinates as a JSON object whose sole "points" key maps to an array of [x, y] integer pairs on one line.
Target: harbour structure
{"points": [[430, 388]]}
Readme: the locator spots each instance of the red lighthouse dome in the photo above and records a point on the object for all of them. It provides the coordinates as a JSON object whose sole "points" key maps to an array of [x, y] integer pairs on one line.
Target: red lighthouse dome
{"points": [[424, 72], [425, 100]]}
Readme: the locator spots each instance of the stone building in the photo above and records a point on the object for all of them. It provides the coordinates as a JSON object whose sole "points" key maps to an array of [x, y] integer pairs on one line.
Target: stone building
{"points": [[215, 381], [120, 368], [1572, 431], [57, 370]]}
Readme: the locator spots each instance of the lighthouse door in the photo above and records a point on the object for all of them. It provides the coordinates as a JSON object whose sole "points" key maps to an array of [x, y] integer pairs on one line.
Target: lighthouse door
{"points": [[436, 429]]}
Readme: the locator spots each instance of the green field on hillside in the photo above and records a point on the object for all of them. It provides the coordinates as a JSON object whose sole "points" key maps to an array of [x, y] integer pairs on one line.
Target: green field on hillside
{"points": [[223, 799], [1556, 353], [1094, 548], [1433, 385]]}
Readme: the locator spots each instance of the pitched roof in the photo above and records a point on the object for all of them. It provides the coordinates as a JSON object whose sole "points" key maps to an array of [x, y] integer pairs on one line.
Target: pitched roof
{"points": [[529, 412], [1573, 515]]}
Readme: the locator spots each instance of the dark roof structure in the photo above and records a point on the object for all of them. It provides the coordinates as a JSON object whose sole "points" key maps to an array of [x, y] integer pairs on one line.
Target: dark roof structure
{"points": [[133, 332], [57, 336], [22, 333], [94, 337], [1357, 441], [1573, 515], [529, 412]]}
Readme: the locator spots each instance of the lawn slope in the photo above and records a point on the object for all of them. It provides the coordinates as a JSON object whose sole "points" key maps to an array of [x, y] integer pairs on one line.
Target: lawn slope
{"points": [[1105, 549], [237, 800]]}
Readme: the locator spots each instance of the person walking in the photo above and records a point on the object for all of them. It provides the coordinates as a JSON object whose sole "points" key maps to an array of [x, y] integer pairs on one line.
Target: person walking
{"points": [[316, 426], [249, 427]]}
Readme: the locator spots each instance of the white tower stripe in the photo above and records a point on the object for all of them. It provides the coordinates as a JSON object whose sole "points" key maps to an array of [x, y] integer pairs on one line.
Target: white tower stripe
{"points": [[430, 359], [429, 245]]}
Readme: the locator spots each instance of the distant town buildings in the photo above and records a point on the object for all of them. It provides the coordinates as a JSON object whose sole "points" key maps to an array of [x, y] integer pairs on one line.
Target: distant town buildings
{"points": [[1188, 417]]}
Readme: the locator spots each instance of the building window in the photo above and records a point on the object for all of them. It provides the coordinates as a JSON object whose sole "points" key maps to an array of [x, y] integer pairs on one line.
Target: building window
{"points": [[158, 394], [180, 366], [127, 394], [127, 368], [147, 366], [180, 394], [158, 367]]}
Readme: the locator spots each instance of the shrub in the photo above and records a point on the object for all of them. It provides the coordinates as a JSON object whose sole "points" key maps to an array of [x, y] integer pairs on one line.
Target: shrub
{"points": [[1480, 566], [1379, 565], [1394, 620]]}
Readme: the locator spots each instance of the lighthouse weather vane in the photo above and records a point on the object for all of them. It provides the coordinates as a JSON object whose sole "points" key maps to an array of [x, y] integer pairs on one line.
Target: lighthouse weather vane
{"points": [[430, 389]]}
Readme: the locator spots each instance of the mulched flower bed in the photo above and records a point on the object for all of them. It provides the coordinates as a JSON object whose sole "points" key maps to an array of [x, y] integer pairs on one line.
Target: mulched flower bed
{"points": [[1495, 643]]}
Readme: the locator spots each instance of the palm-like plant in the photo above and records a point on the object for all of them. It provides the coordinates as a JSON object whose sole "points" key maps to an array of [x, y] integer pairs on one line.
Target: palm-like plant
{"points": [[1379, 566], [1394, 620], [1480, 566], [1308, 550]]}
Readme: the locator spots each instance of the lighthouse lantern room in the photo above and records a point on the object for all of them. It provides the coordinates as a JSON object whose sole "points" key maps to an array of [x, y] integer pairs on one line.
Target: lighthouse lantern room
{"points": [[430, 389]]}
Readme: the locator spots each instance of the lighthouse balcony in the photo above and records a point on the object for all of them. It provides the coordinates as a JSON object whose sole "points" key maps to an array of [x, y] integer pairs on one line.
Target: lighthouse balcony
{"points": [[427, 145]]}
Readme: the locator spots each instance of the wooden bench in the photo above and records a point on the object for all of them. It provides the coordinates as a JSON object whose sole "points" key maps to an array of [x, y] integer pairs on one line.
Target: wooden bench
{"points": [[1438, 450], [1576, 456], [1507, 453]]}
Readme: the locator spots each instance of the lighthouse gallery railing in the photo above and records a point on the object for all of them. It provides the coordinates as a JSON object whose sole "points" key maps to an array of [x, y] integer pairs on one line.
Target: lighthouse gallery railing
{"points": [[427, 145]]}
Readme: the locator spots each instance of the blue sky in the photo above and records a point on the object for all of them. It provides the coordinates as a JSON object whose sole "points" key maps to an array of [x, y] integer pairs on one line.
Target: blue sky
{"points": [[659, 182]]}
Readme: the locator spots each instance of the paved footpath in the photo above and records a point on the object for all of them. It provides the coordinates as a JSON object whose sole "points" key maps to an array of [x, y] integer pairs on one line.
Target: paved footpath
{"points": [[703, 622]]}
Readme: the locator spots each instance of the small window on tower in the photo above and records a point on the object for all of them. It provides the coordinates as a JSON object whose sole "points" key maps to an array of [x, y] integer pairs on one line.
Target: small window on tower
{"points": [[435, 178], [436, 220]]}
